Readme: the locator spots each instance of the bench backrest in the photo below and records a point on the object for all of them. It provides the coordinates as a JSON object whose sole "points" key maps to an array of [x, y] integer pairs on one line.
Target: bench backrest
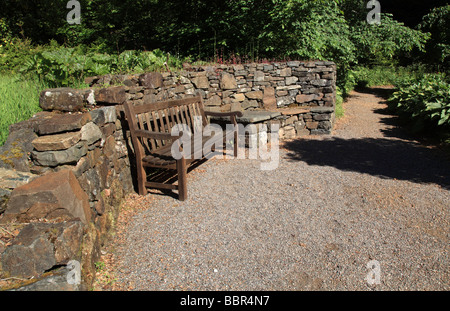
{"points": [[162, 116]]}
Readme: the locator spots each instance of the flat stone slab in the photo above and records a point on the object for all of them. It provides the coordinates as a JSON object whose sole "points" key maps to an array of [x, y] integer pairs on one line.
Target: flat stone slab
{"points": [[322, 109], [56, 142], [12, 179], [293, 111], [59, 123], [59, 157]]}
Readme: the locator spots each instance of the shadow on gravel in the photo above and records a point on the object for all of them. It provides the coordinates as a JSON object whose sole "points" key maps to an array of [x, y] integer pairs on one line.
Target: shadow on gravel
{"points": [[386, 158], [381, 92]]}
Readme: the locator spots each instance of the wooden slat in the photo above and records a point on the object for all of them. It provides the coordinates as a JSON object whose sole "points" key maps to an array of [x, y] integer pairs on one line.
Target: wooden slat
{"points": [[202, 112], [142, 127], [165, 104], [180, 111], [162, 124], [166, 115], [156, 128], [190, 108], [177, 115], [149, 128], [160, 185], [186, 114], [197, 112]]}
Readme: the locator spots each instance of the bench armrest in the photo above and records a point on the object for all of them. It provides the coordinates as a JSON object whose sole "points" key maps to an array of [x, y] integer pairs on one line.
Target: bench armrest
{"points": [[155, 135], [224, 114]]}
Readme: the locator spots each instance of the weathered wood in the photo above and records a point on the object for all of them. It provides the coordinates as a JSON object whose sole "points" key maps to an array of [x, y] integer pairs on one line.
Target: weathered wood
{"points": [[150, 128]]}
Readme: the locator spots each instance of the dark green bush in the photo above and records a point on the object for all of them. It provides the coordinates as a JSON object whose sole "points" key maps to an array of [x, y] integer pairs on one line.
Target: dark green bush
{"points": [[424, 104]]}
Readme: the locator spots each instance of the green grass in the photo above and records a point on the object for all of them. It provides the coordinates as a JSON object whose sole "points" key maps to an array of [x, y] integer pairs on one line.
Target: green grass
{"points": [[385, 75], [19, 100]]}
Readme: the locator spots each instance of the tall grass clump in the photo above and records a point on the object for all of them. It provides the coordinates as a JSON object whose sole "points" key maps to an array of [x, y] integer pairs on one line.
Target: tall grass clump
{"points": [[19, 100], [386, 75]]}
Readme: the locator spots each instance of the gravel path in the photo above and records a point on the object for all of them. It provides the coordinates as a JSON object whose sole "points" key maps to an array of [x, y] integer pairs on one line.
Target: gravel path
{"points": [[366, 192]]}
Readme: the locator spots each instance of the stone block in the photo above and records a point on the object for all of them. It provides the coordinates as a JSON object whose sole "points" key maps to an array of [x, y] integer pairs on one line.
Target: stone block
{"points": [[322, 117], [320, 132], [254, 95], [291, 80], [227, 81], [52, 196], [321, 82], [269, 100], [258, 76], [248, 104], [14, 153], [284, 101], [305, 98], [312, 125], [325, 125], [112, 95], [291, 120], [90, 133], [41, 246], [200, 82], [236, 106], [289, 132], [151, 80], [104, 115], [293, 63], [286, 72], [214, 100], [62, 99], [239, 97]]}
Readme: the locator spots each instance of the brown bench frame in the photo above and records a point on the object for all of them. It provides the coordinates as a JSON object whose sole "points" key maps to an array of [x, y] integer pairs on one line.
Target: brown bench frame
{"points": [[150, 126]]}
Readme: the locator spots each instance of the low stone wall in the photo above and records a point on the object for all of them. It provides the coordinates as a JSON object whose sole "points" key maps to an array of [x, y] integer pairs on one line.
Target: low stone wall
{"points": [[75, 172], [65, 172]]}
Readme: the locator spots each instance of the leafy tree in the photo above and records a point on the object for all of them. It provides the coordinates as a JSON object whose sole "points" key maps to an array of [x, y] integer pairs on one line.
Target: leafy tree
{"points": [[384, 43], [437, 22]]}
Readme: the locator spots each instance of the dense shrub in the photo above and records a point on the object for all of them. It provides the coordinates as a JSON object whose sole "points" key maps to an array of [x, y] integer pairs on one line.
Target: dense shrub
{"points": [[424, 104], [63, 66]]}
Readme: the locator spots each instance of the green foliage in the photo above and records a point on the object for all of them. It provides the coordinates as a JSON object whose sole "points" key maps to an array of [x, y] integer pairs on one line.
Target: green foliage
{"points": [[424, 104], [14, 52], [65, 66]]}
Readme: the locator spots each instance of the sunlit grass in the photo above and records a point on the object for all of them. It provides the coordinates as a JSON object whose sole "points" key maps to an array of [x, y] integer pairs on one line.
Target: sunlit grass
{"points": [[19, 100]]}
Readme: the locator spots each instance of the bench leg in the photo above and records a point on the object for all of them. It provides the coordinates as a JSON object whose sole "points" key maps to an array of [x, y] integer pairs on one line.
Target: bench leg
{"points": [[236, 145], [142, 178], [182, 179]]}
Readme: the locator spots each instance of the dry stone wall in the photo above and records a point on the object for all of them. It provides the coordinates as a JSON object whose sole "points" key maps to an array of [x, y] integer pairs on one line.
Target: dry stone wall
{"points": [[64, 172], [274, 87]]}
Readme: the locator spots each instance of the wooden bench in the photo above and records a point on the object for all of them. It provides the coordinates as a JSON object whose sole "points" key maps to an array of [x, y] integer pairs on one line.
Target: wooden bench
{"points": [[150, 127]]}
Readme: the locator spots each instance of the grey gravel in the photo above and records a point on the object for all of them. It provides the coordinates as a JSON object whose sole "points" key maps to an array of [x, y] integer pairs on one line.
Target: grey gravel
{"points": [[366, 192]]}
